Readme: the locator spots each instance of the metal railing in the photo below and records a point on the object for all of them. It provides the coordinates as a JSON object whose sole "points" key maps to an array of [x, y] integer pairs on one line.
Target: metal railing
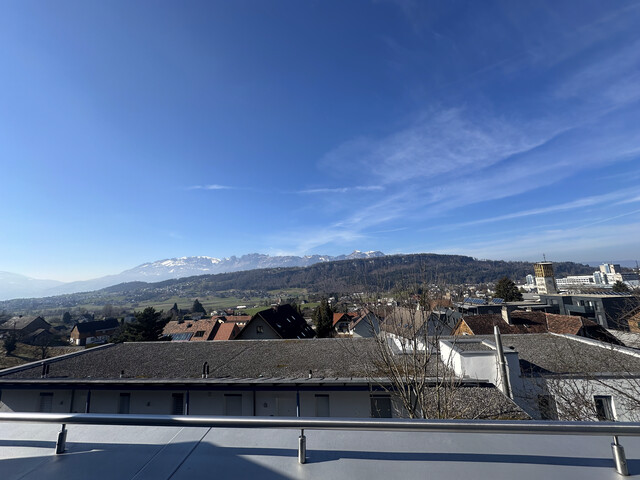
{"points": [[521, 427]]}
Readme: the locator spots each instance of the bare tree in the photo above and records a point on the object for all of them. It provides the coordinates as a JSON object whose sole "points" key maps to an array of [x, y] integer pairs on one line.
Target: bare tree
{"points": [[407, 363], [589, 380]]}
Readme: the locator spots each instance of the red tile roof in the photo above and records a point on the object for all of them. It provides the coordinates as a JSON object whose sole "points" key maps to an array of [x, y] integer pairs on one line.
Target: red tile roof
{"points": [[206, 326], [227, 331]]}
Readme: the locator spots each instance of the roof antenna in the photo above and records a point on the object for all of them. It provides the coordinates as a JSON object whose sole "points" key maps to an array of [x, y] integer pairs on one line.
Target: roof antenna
{"points": [[544, 257]]}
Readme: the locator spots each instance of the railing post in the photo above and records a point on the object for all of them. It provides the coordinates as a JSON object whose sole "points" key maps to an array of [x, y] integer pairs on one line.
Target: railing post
{"points": [[61, 443], [302, 447], [619, 457]]}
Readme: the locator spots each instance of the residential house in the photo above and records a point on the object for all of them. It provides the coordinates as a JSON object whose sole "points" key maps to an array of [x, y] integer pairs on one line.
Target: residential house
{"points": [[412, 323], [309, 378], [554, 376], [95, 332], [192, 330], [609, 309], [28, 329], [277, 322], [227, 331], [341, 321], [366, 324], [520, 322]]}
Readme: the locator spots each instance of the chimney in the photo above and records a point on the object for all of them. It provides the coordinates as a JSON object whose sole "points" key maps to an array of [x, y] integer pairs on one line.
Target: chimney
{"points": [[505, 385], [506, 314]]}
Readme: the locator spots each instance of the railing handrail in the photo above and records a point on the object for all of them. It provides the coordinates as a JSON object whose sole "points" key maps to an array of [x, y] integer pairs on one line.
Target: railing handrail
{"points": [[532, 427]]}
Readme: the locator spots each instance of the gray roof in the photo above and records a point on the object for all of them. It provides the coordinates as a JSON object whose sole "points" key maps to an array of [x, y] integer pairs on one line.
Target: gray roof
{"points": [[18, 323], [332, 361], [555, 354], [226, 359], [92, 327]]}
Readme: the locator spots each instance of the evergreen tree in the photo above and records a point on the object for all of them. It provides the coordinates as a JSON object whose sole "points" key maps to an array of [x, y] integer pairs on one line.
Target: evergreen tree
{"points": [[10, 343], [66, 318], [197, 307], [507, 290], [323, 319], [147, 327], [620, 287]]}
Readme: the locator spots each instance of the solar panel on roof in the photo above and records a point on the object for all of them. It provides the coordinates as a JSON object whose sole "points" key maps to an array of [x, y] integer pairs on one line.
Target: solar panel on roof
{"points": [[176, 337], [497, 300]]}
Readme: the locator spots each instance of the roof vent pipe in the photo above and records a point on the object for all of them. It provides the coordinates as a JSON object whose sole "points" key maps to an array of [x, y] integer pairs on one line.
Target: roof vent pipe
{"points": [[310, 373], [205, 370], [45, 370], [502, 364], [121, 373]]}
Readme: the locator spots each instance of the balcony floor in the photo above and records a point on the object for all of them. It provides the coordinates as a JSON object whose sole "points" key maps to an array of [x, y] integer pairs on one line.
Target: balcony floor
{"points": [[127, 452]]}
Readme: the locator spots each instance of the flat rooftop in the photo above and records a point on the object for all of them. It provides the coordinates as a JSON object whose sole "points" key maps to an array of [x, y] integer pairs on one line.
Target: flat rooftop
{"points": [[127, 452]]}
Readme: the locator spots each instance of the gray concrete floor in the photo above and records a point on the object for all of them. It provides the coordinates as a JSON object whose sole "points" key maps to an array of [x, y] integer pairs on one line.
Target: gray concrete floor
{"points": [[120, 452]]}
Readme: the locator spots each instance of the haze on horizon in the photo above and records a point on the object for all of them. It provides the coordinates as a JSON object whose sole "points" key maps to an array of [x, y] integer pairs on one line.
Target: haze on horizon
{"points": [[133, 132]]}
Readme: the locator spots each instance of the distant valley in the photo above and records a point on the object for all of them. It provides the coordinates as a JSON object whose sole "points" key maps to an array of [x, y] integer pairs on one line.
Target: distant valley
{"points": [[18, 286], [375, 273]]}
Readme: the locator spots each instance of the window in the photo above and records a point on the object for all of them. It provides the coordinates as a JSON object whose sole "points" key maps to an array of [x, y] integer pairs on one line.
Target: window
{"points": [[199, 333], [177, 404], [259, 329], [233, 404], [46, 402], [124, 403], [604, 408], [381, 406], [322, 406], [547, 407]]}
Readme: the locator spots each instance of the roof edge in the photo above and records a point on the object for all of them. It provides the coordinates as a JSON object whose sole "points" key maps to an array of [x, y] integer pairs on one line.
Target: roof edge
{"points": [[26, 366]]}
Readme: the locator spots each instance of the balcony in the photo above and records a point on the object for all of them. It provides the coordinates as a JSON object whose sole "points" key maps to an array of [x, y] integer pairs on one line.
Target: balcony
{"points": [[194, 447]]}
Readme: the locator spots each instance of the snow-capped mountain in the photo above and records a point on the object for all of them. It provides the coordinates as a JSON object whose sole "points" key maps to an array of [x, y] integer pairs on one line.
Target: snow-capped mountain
{"points": [[168, 269], [189, 266]]}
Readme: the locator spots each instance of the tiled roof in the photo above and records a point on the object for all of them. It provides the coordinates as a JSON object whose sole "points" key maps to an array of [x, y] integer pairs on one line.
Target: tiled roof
{"points": [[233, 318], [555, 354], [337, 317], [227, 331], [537, 322], [231, 359], [19, 323], [201, 330]]}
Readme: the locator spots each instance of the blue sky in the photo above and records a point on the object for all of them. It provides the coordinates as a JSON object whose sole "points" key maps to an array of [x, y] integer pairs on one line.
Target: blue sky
{"points": [[137, 131]]}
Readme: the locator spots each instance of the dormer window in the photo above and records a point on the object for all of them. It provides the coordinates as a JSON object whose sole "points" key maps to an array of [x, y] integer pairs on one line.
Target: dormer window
{"points": [[199, 333]]}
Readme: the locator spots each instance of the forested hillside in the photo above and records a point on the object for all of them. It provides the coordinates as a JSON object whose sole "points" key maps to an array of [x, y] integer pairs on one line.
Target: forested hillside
{"points": [[372, 274]]}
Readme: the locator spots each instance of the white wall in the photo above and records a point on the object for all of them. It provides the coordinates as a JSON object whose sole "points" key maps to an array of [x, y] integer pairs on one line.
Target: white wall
{"points": [[267, 403]]}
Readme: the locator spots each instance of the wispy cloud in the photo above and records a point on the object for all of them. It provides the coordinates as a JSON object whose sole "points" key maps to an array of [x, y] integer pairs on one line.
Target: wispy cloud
{"points": [[464, 153], [596, 200], [562, 244], [629, 200], [438, 142], [210, 187], [367, 188]]}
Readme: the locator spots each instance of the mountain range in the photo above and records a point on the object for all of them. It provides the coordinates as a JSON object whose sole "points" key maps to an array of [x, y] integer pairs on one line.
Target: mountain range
{"points": [[13, 285]]}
